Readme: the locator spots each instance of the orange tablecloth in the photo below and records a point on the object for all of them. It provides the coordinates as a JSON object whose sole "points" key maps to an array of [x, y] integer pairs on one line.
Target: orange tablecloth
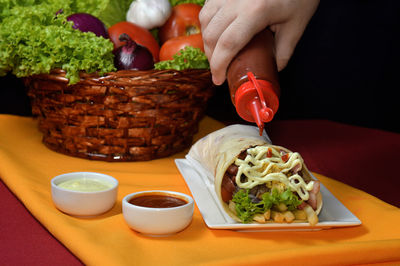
{"points": [[27, 166]]}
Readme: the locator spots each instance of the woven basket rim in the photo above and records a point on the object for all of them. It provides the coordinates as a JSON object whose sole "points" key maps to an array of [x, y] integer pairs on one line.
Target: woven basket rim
{"points": [[126, 115], [121, 73]]}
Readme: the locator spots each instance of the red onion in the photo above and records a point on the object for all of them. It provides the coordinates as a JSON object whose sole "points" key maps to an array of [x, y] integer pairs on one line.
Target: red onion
{"points": [[132, 55], [86, 22]]}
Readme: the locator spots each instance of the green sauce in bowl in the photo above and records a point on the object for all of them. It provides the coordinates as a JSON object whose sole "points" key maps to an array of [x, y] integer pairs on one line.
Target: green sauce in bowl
{"points": [[85, 185]]}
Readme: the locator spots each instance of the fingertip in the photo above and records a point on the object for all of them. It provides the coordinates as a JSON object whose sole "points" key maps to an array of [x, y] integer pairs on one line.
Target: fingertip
{"points": [[215, 73], [281, 64], [217, 78], [217, 81], [286, 39], [218, 70]]}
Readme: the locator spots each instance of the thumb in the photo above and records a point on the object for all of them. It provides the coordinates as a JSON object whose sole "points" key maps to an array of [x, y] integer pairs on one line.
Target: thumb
{"points": [[286, 38]]}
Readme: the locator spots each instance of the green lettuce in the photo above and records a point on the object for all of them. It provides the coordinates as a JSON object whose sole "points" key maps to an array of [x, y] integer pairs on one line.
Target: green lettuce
{"points": [[111, 11], [246, 208], [108, 11], [275, 197], [189, 57], [35, 38], [177, 2]]}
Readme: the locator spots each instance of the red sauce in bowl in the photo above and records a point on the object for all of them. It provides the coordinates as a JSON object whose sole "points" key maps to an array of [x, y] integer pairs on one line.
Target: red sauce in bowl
{"points": [[157, 201]]}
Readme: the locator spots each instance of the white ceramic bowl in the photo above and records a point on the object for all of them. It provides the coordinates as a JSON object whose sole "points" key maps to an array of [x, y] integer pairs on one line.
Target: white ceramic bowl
{"points": [[158, 221], [80, 203]]}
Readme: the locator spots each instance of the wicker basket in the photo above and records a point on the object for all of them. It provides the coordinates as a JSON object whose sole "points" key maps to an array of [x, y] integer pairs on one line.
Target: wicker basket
{"points": [[122, 116]]}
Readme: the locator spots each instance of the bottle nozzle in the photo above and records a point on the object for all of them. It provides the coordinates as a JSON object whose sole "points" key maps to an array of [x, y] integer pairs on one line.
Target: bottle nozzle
{"points": [[266, 114], [255, 107], [251, 104], [260, 114]]}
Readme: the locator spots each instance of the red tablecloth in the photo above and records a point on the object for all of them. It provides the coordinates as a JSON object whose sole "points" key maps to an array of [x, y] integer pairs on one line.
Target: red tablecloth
{"points": [[364, 158], [353, 155]]}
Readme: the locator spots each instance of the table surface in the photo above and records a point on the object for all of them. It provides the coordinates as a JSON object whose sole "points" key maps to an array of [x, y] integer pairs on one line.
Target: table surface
{"points": [[353, 155]]}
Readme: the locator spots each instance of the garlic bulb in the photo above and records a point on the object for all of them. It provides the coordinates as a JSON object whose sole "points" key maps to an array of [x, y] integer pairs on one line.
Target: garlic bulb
{"points": [[149, 13]]}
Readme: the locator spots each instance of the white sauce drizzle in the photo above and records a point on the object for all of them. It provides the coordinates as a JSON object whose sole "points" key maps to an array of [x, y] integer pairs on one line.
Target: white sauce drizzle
{"points": [[259, 169]]}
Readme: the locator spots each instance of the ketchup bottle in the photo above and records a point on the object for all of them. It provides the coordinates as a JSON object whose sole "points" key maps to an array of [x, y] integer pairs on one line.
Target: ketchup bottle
{"points": [[253, 80]]}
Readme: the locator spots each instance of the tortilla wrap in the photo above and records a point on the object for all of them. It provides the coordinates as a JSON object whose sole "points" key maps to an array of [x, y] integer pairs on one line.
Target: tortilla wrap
{"points": [[218, 150]]}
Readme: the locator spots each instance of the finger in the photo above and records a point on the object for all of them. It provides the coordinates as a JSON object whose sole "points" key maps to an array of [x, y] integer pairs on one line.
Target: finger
{"points": [[231, 41], [207, 12], [286, 38], [218, 24]]}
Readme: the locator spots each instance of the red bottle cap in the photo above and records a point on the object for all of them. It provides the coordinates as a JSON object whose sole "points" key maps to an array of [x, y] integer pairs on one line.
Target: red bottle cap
{"points": [[256, 101]]}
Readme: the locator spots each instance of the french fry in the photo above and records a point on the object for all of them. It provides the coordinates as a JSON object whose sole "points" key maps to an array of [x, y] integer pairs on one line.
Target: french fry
{"points": [[300, 214], [259, 218], [289, 216], [277, 217], [267, 215], [311, 215], [232, 206]]}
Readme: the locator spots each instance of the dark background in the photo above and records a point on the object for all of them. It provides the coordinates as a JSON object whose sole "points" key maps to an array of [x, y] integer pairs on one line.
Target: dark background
{"points": [[344, 69]]}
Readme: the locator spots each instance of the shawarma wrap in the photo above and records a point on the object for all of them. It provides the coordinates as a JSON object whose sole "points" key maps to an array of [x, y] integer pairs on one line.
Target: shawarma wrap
{"points": [[256, 181]]}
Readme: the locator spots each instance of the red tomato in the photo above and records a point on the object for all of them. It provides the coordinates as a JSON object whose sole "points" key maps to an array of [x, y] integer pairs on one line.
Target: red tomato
{"points": [[139, 34], [184, 20], [174, 45], [285, 157], [269, 153]]}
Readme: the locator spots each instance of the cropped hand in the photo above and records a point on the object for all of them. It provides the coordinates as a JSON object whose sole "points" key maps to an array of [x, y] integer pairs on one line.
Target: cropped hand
{"points": [[228, 25]]}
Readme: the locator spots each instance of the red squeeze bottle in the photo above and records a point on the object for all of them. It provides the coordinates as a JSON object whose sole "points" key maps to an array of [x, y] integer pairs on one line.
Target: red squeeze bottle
{"points": [[253, 80]]}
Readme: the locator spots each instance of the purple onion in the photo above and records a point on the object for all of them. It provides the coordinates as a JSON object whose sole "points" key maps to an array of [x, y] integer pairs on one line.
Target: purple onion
{"points": [[132, 55], [86, 22]]}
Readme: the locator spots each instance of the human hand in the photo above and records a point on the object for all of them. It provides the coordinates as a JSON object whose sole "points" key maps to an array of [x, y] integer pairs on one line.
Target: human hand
{"points": [[228, 25]]}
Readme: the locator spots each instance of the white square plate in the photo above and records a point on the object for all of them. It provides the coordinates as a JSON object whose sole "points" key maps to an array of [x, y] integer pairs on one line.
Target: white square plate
{"points": [[333, 213]]}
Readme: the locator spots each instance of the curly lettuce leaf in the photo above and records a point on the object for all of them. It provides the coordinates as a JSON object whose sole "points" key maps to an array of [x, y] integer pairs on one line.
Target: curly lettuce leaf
{"points": [[112, 11], [108, 11], [275, 197], [177, 2], [246, 208], [187, 58], [34, 40]]}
